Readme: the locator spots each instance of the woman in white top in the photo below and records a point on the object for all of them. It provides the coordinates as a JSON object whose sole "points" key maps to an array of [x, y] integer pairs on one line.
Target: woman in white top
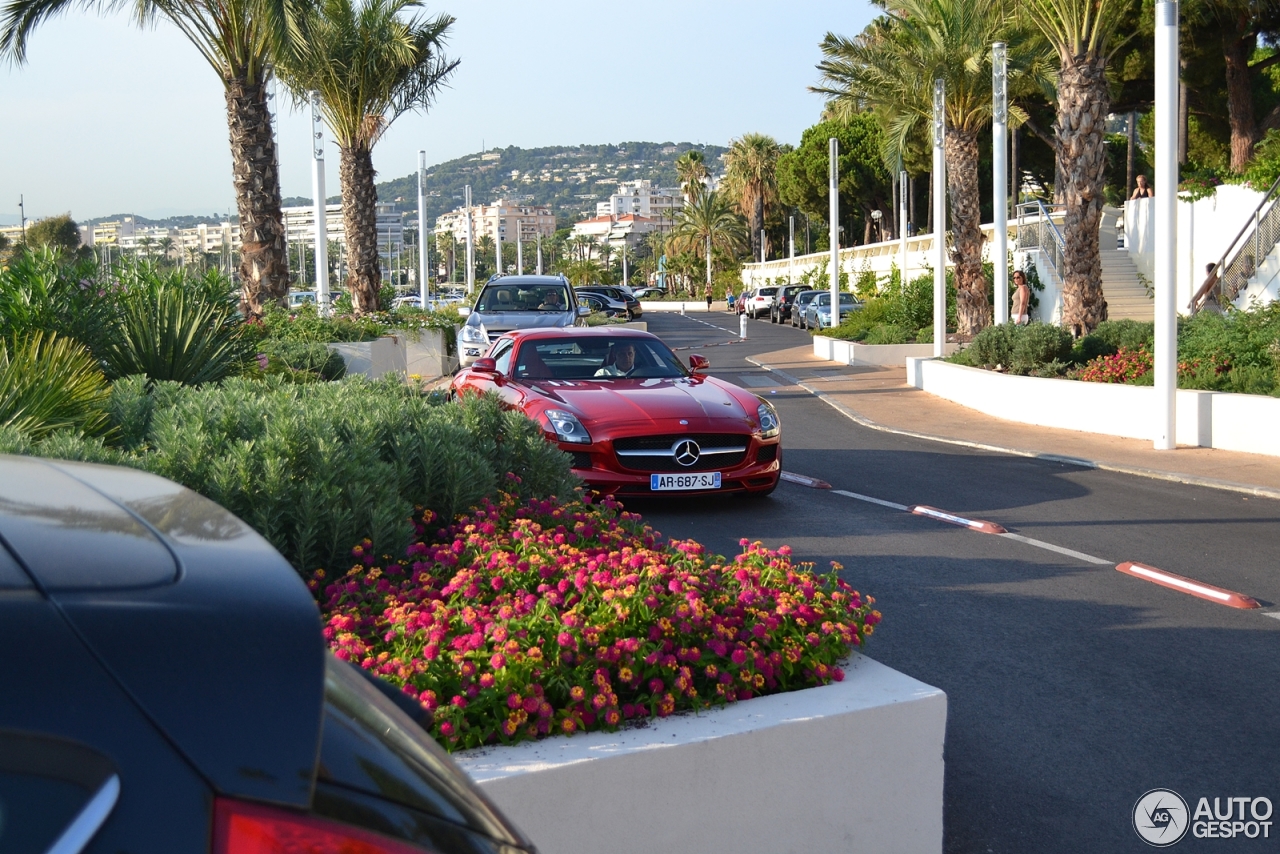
{"points": [[1021, 299]]}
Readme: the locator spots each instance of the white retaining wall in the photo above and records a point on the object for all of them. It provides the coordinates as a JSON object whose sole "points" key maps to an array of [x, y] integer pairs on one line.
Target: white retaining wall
{"points": [[422, 352], [852, 766], [1209, 419], [854, 353]]}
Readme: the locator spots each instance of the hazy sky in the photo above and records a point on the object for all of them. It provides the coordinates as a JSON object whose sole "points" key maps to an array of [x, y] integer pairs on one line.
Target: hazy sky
{"points": [[105, 118]]}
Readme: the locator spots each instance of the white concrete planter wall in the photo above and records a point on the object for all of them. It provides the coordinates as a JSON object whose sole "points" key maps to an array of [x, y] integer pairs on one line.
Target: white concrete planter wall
{"points": [[423, 352], [427, 353], [852, 766], [855, 353], [683, 307], [373, 358], [1232, 422]]}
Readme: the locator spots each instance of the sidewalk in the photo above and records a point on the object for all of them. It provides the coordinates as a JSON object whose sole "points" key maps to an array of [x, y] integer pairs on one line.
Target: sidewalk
{"points": [[880, 398]]}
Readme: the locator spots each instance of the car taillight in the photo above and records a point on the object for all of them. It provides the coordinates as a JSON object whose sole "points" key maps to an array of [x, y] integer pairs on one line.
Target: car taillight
{"points": [[243, 828]]}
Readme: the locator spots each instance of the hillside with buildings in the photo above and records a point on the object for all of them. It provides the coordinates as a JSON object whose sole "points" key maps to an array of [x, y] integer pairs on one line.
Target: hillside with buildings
{"points": [[570, 180]]}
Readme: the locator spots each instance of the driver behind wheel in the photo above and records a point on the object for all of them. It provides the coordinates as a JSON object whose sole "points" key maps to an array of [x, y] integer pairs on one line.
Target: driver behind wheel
{"points": [[620, 361]]}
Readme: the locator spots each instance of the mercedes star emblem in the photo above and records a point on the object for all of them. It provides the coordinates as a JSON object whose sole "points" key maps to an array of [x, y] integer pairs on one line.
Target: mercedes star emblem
{"points": [[686, 452]]}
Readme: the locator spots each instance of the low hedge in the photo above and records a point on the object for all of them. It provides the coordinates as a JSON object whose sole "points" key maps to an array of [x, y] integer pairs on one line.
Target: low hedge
{"points": [[316, 467], [527, 619]]}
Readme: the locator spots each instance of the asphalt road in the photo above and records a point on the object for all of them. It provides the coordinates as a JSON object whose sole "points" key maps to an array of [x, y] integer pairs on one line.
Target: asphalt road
{"points": [[1072, 688]]}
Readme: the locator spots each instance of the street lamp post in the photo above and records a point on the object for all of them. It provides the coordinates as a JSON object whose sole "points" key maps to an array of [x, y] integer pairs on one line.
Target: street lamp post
{"points": [[539, 235], [471, 257], [1000, 178], [833, 218], [1166, 120], [902, 227], [422, 230]]}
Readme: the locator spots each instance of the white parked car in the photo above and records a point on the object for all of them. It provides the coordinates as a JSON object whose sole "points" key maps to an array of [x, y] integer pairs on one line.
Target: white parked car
{"points": [[758, 302]]}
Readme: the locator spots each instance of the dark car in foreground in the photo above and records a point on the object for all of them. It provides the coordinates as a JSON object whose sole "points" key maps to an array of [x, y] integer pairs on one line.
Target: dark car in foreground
{"points": [[167, 690], [635, 420]]}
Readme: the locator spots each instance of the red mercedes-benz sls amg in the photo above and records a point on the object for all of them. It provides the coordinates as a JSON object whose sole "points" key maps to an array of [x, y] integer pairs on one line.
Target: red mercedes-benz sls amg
{"points": [[634, 418]]}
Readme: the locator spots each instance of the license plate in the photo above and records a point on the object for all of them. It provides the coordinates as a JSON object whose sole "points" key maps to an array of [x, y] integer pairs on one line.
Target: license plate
{"points": [[701, 480]]}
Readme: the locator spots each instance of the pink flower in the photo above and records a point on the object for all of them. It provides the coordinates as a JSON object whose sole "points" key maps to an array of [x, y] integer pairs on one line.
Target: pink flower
{"points": [[446, 729], [498, 661]]}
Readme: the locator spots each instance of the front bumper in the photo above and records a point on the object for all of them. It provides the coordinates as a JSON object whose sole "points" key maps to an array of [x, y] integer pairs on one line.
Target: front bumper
{"points": [[599, 468]]}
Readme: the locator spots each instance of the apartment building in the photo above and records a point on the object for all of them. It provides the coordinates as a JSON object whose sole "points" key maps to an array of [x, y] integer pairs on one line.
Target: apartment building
{"points": [[641, 198], [503, 220], [628, 229]]}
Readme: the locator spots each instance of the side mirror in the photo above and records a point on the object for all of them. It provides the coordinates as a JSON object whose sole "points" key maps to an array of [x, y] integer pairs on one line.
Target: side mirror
{"points": [[464, 310], [698, 364], [485, 365], [584, 310]]}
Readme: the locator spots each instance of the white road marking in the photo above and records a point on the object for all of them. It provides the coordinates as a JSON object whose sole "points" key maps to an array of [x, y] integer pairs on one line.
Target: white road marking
{"points": [[871, 500], [1041, 544], [1275, 615]]}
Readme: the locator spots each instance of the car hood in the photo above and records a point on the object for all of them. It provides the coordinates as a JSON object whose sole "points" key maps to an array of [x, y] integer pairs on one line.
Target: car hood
{"points": [[633, 404], [505, 321]]}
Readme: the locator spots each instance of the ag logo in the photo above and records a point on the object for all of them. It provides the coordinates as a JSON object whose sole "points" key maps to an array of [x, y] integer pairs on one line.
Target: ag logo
{"points": [[1160, 817]]}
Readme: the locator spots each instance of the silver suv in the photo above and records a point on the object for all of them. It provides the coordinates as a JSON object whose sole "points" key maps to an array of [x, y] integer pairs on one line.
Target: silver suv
{"points": [[516, 302]]}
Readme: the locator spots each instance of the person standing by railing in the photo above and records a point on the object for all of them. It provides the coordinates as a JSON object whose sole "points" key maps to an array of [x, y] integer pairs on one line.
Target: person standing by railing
{"points": [[1143, 190], [1207, 296]]}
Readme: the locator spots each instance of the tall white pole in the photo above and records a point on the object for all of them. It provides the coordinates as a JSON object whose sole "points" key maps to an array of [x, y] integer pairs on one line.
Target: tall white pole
{"points": [[625, 271], [471, 248], [497, 243], [1000, 178], [1166, 120], [791, 252], [939, 218], [422, 229], [320, 210], [762, 254], [833, 217], [708, 263], [519, 251], [902, 227], [539, 250]]}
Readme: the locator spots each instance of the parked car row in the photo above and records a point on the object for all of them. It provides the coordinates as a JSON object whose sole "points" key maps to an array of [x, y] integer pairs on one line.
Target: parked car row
{"points": [[795, 304]]}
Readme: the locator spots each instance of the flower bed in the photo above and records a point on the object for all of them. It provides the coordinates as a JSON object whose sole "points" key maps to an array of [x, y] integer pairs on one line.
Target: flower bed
{"points": [[521, 620]]}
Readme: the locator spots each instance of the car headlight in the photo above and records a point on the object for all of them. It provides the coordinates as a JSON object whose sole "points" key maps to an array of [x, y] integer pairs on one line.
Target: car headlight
{"points": [[473, 335], [567, 427], [768, 419]]}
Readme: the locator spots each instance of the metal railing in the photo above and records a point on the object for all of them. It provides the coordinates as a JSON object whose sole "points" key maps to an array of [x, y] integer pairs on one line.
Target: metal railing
{"points": [[1260, 234], [1037, 230]]}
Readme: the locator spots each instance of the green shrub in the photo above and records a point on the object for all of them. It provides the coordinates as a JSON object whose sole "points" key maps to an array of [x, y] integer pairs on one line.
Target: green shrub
{"points": [[175, 334], [993, 345], [314, 360], [51, 292], [1037, 345], [1110, 336], [306, 324], [49, 383], [887, 333], [314, 468]]}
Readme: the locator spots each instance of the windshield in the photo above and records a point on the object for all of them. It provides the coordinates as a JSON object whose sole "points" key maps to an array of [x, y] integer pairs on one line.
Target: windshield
{"points": [[825, 299], [596, 357], [510, 296]]}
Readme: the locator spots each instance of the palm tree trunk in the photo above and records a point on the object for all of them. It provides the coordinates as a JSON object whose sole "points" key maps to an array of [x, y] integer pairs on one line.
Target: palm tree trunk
{"points": [[1083, 102], [360, 219], [264, 265], [973, 312], [757, 225]]}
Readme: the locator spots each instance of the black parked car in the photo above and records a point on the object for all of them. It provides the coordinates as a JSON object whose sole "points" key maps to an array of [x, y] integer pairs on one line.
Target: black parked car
{"points": [[633, 305], [780, 311], [166, 689]]}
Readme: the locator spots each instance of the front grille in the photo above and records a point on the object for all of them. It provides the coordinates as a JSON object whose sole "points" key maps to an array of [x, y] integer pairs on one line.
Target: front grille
{"points": [[653, 453], [581, 460]]}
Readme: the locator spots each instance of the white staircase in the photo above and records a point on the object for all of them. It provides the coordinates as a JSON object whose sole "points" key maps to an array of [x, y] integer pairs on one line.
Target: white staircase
{"points": [[1124, 292]]}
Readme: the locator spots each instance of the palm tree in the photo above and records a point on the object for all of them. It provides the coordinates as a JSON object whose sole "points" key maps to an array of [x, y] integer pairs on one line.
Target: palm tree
{"points": [[370, 66], [691, 171], [1082, 32], [166, 250], [709, 222], [751, 177], [236, 38], [890, 69], [582, 247]]}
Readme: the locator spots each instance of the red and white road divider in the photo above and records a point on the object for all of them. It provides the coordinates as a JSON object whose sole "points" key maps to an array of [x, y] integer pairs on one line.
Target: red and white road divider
{"points": [[1222, 596], [978, 525], [805, 480]]}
